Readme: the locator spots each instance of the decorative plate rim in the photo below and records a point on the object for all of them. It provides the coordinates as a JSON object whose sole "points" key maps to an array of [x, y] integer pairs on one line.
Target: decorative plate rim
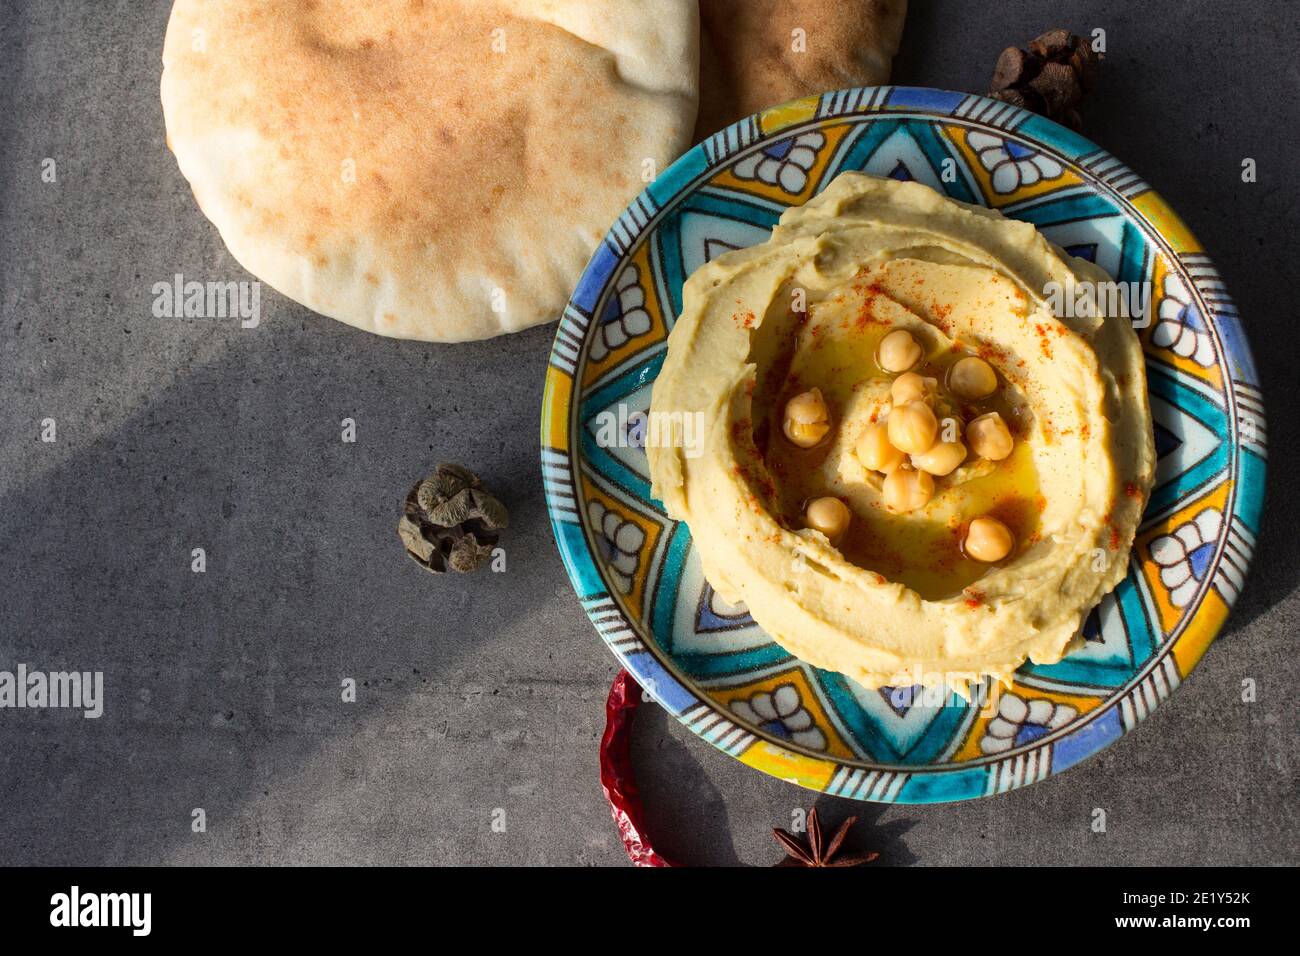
{"points": [[624, 634]]}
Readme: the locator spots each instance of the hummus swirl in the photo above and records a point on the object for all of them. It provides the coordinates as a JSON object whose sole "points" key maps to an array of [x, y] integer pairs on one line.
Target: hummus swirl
{"points": [[896, 602]]}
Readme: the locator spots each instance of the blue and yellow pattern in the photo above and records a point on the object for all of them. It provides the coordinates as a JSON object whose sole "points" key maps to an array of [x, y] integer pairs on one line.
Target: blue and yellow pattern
{"points": [[706, 662]]}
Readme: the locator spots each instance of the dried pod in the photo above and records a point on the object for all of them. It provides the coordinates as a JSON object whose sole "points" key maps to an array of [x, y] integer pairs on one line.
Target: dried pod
{"points": [[1052, 44], [445, 483], [490, 511], [1060, 88], [450, 521], [1051, 77], [1014, 66]]}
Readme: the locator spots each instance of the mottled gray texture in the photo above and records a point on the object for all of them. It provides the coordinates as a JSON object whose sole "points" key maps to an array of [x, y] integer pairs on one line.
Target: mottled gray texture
{"points": [[487, 692]]}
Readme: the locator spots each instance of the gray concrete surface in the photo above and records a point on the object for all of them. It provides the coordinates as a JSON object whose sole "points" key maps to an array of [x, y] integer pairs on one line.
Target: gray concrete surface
{"points": [[223, 688]]}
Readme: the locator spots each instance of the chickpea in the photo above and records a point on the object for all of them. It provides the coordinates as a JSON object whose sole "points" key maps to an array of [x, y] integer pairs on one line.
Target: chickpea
{"points": [[912, 427], [988, 540], [808, 407], [989, 437], [942, 458], [972, 378], [907, 489], [807, 419], [874, 450], [908, 387], [830, 516], [898, 351]]}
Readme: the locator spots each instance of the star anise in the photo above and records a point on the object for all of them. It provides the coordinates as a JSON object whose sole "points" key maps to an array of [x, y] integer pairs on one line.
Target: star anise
{"points": [[817, 852]]}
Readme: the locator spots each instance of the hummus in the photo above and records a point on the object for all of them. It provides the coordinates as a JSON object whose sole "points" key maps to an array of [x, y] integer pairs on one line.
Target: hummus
{"points": [[894, 597]]}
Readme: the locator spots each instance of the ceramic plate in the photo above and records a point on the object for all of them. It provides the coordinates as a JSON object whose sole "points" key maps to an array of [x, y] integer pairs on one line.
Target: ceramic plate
{"points": [[639, 578]]}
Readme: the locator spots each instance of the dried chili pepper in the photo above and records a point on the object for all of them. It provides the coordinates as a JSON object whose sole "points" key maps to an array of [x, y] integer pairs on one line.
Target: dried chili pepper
{"points": [[617, 777]]}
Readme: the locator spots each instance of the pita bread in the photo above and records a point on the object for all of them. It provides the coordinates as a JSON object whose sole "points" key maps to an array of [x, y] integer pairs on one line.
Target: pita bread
{"points": [[427, 169], [749, 60]]}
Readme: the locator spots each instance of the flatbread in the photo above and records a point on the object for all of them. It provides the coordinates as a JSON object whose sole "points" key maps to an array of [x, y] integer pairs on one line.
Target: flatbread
{"points": [[749, 60], [427, 169]]}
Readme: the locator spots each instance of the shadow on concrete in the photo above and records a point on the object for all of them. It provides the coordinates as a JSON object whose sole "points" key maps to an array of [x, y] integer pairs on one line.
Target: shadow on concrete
{"points": [[686, 814], [219, 682]]}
